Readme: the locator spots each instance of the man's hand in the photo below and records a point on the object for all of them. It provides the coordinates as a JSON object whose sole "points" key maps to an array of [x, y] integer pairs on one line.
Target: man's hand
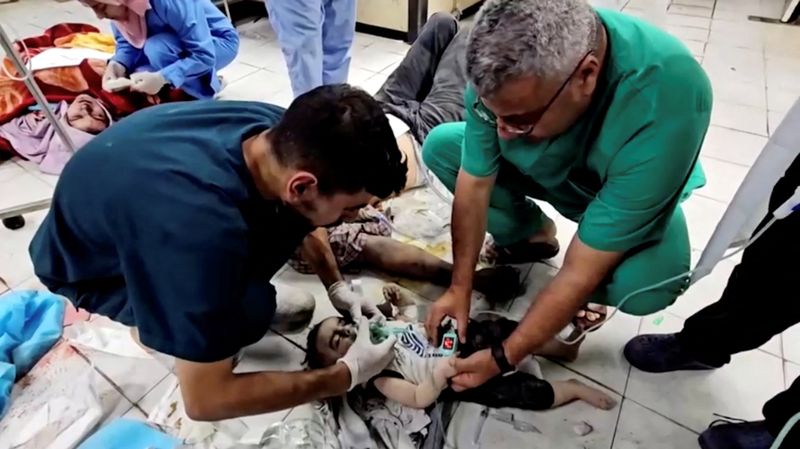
{"points": [[475, 370], [114, 71], [149, 83], [453, 304], [343, 298], [366, 360]]}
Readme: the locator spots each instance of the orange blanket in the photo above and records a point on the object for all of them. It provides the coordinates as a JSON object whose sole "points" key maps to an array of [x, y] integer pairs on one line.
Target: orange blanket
{"points": [[67, 83]]}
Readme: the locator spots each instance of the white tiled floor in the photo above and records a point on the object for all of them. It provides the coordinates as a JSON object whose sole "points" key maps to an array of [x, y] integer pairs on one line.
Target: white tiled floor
{"points": [[754, 68]]}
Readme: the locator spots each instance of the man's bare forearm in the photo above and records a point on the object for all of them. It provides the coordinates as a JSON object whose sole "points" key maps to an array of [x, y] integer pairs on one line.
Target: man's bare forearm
{"points": [[317, 252], [553, 308], [264, 392], [470, 210], [583, 271]]}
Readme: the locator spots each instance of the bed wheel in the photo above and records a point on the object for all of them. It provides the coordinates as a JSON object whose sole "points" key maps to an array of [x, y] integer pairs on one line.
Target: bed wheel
{"points": [[14, 223]]}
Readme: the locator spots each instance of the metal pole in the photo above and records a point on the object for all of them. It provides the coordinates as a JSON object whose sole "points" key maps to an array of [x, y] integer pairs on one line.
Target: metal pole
{"points": [[30, 82], [227, 10]]}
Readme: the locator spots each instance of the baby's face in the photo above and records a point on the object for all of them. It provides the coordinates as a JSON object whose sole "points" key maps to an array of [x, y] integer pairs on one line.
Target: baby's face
{"points": [[86, 114], [335, 337]]}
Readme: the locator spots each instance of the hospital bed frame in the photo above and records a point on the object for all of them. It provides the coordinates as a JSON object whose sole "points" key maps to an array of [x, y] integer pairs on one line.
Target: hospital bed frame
{"points": [[12, 216]]}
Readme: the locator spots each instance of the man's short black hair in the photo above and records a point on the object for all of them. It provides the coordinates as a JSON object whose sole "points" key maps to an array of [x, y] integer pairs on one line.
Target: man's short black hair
{"points": [[340, 134], [312, 360]]}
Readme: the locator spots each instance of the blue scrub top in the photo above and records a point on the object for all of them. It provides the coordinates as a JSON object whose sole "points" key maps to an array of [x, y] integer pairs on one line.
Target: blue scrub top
{"points": [[157, 223], [196, 24]]}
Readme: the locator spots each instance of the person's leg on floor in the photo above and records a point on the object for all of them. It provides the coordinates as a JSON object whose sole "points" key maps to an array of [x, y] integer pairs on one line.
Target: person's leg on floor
{"points": [[413, 78], [298, 25], [511, 219], [736, 323], [445, 102], [411, 81], [338, 32], [499, 284]]}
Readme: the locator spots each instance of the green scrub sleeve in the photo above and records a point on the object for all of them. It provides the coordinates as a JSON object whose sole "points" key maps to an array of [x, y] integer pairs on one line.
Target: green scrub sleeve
{"points": [[646, 177], [480, 153]]}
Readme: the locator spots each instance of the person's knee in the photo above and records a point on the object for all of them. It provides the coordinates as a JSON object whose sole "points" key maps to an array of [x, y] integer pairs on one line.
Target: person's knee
{"points": [[630, 289], [441, 150], [650, 302], [444, 22], [162, 49]]}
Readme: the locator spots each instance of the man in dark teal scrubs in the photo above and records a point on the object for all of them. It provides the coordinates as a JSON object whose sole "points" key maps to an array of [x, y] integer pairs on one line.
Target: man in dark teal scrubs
{"points": [[174, 221]]}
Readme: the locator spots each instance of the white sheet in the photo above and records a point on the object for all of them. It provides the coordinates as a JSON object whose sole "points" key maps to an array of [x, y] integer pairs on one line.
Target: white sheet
{"points": [[65, 57]]}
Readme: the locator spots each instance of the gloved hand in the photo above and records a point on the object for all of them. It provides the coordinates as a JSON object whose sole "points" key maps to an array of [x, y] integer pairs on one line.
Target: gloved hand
{"points": [[342, 297], [366, 360], [114, 70], [149, 83]]}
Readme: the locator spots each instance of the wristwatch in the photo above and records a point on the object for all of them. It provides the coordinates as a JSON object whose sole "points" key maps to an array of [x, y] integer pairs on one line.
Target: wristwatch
{"points": [[499, 355]]}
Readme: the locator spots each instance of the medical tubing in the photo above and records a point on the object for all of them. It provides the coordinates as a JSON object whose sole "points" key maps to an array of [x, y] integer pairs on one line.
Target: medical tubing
{"points": [[785, 431], [661, 284], [26, 52]]}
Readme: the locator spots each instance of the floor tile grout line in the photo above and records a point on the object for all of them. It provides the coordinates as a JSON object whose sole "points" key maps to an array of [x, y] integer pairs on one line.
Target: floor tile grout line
{"points": [[766, 96], [736, 129], [719, 159], [96, 369], [616, 424]]}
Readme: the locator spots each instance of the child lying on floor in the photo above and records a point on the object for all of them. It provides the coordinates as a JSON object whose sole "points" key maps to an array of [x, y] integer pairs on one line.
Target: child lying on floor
{"points": [[419, 373]]}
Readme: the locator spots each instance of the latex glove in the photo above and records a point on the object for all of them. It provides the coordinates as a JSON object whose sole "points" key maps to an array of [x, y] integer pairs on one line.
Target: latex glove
{"points": [[114, 70], [366, 360], [342, 297], [149, 83]]}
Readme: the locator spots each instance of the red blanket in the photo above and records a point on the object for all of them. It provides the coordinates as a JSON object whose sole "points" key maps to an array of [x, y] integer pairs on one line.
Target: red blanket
{"points": [[66, 83]]}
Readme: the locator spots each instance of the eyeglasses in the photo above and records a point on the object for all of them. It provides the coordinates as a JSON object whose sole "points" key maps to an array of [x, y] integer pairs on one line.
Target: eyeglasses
{"points": [[523, 124]]}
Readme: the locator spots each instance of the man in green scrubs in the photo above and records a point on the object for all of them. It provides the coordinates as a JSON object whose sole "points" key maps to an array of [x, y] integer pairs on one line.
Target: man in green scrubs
{"points": [[601, 115]]}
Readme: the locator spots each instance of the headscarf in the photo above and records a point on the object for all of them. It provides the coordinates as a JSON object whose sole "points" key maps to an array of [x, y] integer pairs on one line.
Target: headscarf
{"points": [[35, 138], [134, 27]]}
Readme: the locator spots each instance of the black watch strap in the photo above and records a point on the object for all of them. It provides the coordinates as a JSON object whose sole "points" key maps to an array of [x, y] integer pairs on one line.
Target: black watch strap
{"points": [[499, 355]]}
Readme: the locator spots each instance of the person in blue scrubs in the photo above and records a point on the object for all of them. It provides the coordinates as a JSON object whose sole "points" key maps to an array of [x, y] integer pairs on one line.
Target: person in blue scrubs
{"points": [[315, 37], [167, 42], [174, 221]]}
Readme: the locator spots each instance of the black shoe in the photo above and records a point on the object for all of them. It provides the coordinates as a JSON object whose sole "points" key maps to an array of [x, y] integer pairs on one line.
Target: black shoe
{"points": [[746, 435], [661, 353]]}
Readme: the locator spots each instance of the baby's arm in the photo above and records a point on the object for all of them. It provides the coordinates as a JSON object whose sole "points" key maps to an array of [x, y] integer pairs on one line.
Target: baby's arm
{"points": [[407, 393], [417, 396]]}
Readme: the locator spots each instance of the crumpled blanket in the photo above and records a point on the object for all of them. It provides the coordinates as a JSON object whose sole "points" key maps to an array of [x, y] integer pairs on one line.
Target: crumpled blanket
{"points": [[30, 323], [35, 138], [66, 83], [365, 420]]}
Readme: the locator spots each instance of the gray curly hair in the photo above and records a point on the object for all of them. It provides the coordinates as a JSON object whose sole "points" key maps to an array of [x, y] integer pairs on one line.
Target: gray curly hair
{"points": [[544, 38]]}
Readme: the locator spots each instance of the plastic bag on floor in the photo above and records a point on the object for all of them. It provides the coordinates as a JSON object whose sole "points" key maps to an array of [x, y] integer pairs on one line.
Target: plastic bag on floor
{"points": [[111, 339], [56, 406]]}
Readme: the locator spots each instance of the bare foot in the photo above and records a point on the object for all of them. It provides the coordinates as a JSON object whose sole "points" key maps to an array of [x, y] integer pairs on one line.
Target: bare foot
{"points": [[397, 295], [592, 395], [590, 315], [555, 349]]}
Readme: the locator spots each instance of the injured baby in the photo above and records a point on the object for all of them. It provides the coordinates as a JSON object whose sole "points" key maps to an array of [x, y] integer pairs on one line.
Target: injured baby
{"points": [[419, 373]]}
